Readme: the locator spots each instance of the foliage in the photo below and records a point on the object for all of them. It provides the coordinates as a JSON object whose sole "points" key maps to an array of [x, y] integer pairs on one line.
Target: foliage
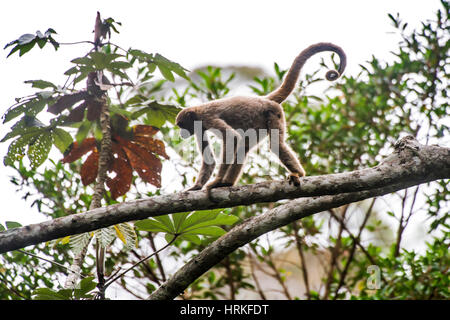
{"points": [[331, 254]]}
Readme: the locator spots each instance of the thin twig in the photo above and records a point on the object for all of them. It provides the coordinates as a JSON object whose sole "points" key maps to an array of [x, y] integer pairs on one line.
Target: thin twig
{"points": [[353, 249], [110, 281], [76, 42], [298, 242], [50, 261], [255, 278], [158, 260]]}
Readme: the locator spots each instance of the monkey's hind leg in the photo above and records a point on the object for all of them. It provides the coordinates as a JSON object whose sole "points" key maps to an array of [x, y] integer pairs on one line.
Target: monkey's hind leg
{"points": [[286, 155]]}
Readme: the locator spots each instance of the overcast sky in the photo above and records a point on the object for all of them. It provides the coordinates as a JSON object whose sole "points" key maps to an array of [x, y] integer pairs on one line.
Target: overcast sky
{"points": [[192, 33]]}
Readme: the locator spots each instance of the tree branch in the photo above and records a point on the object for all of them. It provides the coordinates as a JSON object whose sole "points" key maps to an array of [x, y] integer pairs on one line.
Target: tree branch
{"points": [[410, 164]]}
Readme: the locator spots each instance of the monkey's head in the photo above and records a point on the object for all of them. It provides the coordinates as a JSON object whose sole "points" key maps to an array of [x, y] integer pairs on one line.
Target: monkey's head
{"points": [[185, 120]]}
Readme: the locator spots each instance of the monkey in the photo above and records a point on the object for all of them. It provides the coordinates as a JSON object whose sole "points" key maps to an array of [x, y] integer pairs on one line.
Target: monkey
{"points": [[231, 118]]}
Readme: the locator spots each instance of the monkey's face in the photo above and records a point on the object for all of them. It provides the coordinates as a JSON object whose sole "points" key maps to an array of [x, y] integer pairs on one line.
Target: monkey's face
{"points": [[185, 120]]}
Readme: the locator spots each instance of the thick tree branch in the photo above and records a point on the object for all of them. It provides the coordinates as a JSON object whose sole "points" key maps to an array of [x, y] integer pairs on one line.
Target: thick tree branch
{"points": [[410, 164]]}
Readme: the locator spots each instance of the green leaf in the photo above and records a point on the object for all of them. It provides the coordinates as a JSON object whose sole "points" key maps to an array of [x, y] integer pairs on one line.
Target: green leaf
{"points": [[103, 60], [34, 107], [31, 107], [26, 38], [167, 222], [27, 41], [86, 285], [191, 237], [41, 84], [16, 149], [83, 131], [178, 219], [12, 224], [83, 60], [61, 139], [169, 237], [26, 125], [26, 47], [151, 225], [220, 219], [199, 217], [118, 73], [72, 70], [151, 67], [166, 73], [157, 113], [213, 231], [83, 74], [168, 65], [39, 149], [48, 294], [140, 55], [120, 65], [14, 112], [99, 59], [156, 118]]}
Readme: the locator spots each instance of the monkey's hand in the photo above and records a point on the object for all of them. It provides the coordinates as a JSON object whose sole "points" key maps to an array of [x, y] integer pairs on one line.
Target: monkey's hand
{"points": [[294, 178]]}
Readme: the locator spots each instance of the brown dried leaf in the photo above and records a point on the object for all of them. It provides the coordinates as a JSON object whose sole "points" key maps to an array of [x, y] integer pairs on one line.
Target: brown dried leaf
{"points": [[89, 169], [76, 150], [144, 130], [66, 101], [77, 114], [152, 145], [143, 162], [121, 183]]}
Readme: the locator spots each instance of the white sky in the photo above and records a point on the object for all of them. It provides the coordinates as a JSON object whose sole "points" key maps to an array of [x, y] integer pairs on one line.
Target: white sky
{"points": [[192, 33]]}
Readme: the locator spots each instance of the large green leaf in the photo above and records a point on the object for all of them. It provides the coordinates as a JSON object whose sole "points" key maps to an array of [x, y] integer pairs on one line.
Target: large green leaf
{"points": [[62, 139], [212, 231], [199, 217], [151, 225], [83, 131], [166, 72], [167, 66], [41, 84], [26, 125], [16, 150], [48, 294], [157, 114], [27, 41], [39, 149], [188, 226], [167, 222], [178, 219]]}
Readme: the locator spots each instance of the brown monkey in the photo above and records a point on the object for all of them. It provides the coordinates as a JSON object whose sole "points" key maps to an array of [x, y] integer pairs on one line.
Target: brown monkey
{"points": [[242, 122]]}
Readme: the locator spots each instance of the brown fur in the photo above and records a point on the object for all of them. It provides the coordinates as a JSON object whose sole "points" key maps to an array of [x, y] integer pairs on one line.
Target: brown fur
{"points": [[244, 113]]}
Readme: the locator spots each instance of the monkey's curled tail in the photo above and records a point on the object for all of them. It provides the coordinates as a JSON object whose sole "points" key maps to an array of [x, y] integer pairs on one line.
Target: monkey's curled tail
{"points": [[280, 94]]}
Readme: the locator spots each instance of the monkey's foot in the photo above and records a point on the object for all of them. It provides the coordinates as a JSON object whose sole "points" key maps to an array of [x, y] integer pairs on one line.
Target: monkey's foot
{"points": [[294, 178], [218, 184], [215, 184], [193, 188]]}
